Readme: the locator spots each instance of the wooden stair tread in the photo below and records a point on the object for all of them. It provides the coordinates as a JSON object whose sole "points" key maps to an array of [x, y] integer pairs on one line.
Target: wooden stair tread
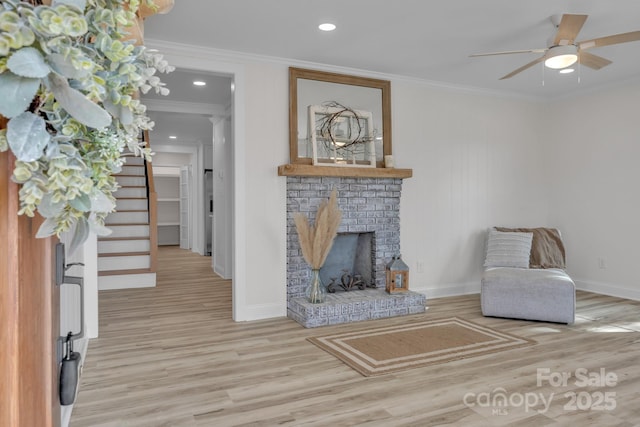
{"points": [[123, 272], [124, 254], [115, 239]]}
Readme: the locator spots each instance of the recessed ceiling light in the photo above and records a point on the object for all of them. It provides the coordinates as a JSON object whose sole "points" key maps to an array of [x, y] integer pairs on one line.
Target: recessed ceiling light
{"points": [[199, 83], [567, 70], [172, 137], [327, 26]]}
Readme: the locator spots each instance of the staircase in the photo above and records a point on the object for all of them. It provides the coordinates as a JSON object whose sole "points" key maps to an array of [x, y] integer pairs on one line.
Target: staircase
{"points": [[127, 257]]}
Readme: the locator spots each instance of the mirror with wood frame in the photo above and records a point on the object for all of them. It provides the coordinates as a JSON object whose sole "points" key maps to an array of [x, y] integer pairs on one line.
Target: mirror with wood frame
{"points": [[310, 89]]}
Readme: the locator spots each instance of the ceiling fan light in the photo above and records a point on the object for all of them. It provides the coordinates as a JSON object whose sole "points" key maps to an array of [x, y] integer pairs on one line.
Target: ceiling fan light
{"points": [[561, 61], [559, 57]]}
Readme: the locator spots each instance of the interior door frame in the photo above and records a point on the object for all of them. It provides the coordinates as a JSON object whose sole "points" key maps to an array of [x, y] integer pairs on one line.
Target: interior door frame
{"points": [[187, 57], [186, 203], [29, 314]]}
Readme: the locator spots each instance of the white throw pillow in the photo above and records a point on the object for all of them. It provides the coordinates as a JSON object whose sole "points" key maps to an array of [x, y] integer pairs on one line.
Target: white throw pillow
{"points": [[508, 249]]}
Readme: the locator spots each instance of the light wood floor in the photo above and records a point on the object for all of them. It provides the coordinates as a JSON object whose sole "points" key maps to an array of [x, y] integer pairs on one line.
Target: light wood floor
{"points": [[172, 356]]}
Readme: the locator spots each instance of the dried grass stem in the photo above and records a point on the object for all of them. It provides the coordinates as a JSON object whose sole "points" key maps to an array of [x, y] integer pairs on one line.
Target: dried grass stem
{"points": [[316, 240]]}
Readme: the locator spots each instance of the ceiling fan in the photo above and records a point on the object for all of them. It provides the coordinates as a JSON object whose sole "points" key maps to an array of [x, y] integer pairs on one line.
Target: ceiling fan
{"points": [[564, 50]]}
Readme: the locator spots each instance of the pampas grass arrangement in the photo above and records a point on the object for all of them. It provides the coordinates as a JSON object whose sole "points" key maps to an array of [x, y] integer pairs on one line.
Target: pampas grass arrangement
{"points": [[316, 240]]}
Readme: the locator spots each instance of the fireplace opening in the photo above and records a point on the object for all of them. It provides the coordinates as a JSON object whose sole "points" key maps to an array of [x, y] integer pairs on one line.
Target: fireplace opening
{"points": [[350, 264]]}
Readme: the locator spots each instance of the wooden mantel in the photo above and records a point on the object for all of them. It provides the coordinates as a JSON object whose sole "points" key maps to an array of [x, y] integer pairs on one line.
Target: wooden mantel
{"points": [[343, 171]]}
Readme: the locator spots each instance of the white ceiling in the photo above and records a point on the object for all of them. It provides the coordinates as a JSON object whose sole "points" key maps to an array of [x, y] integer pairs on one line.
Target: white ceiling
{"points": [[424, 39], [188, 128]]}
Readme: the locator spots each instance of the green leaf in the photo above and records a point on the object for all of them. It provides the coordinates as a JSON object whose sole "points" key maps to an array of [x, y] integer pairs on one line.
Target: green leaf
{"points": [[27, 136], [48, 228], [82, 109], [98, 228], [16, 93], [80, 4], [65, 67], [100, 202], [81, 203], [120, 112], [80, 234], [28, 62], [48, 208]]}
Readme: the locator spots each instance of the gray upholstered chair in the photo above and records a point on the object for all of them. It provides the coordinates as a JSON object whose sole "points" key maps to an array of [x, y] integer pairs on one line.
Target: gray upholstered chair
{"points": [[524, 276]]}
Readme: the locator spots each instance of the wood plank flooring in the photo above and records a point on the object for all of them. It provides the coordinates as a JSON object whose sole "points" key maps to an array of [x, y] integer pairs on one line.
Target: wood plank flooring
{"points": [[172, 356]]}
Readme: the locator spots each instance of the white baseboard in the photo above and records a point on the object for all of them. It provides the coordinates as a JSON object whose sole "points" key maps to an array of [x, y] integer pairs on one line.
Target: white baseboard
{"points": [[262, 311], [607, 289], [449, 290], [127, 281], [219, 270]]}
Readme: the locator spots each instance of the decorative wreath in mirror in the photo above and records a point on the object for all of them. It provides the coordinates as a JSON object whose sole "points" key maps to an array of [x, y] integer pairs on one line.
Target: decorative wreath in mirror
{"points": [[341, 135]]}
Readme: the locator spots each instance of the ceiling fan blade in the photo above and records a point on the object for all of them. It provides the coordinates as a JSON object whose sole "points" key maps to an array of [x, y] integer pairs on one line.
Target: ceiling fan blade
{"points": [[593, 61], [521, 69], [609, 40], [569, 27], [509, 52]]}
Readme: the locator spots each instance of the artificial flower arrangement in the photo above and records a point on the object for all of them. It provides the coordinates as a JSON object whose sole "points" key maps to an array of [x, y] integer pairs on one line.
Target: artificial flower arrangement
{"points": [[69, 82]]}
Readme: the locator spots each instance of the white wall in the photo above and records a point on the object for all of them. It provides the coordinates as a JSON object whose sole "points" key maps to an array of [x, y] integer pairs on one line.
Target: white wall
{"points": [[267, 146], [170, 159], [476, 163], [222, 198], [593, 152], [478, 160]]}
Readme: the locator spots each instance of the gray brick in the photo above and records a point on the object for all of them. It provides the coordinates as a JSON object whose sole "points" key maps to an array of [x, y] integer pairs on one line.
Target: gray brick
{"points": [[369, 205], [358, 187]]}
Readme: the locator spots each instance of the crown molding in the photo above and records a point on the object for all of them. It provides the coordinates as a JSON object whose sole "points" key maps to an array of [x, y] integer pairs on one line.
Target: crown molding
{"points": [[168, 106], [170, 48]]}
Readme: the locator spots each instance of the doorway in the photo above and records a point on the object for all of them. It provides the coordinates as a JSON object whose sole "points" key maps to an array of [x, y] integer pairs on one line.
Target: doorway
{"points": [[195, 59], [193, 141]]}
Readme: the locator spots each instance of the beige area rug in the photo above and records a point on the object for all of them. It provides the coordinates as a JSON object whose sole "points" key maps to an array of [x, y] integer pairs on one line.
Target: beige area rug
{"points": [[396, 348]]}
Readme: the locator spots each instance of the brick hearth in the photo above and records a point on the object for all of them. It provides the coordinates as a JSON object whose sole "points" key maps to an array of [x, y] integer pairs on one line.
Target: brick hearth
{"points": [[355, 306], [367, 205]]}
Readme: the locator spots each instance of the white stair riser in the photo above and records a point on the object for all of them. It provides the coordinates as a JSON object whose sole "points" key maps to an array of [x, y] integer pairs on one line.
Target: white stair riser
{"points": [[128, 262], [117, 246], [127, 281], [129, 230], [127, 218], [131, 180], [132, 170], [133, 160], [131, 204], [130, 192]]}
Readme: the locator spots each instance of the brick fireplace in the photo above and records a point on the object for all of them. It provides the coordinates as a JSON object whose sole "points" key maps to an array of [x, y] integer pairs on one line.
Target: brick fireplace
{"points": [[368, 205]]}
